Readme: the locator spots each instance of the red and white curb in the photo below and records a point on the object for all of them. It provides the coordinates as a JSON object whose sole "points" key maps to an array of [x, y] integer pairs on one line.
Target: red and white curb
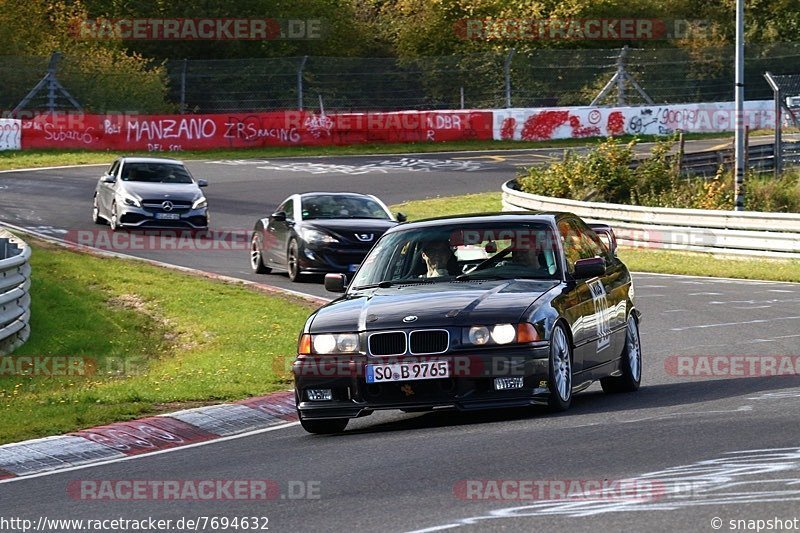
{"points": [[145, 435]]}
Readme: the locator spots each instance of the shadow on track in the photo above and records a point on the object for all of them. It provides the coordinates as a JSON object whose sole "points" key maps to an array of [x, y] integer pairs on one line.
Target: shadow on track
{"points": [[588, 403]]}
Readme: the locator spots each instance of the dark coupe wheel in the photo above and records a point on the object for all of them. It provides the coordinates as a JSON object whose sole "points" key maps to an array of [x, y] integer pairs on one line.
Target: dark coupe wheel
{"points": [[292, 266], [631, 368], [256, 256], [96, 218], [560, 370], [325, 427]]}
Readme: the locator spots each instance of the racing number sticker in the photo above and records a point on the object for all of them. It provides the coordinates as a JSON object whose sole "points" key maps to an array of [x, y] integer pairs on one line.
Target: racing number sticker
{"points": [[601, 313]]}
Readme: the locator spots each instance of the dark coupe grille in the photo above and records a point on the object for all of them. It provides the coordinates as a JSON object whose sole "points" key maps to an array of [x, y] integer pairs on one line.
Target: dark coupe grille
{"points": [[387, 343], [434, 341]]}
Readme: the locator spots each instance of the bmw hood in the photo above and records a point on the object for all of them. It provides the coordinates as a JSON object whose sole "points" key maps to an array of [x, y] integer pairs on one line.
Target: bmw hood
{"points": [[163, 191], [435, 305]]}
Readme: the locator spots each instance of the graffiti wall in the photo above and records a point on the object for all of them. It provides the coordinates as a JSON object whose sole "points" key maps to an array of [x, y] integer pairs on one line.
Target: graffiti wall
{"points": [[170, 133], [538, 124]]}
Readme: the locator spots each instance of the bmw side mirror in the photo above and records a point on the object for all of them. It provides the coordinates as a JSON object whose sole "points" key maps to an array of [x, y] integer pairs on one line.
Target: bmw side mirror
{"points": [[401, 217], [202, 183], [590, 268], [278, 216], [335, 282], [108, 178]]}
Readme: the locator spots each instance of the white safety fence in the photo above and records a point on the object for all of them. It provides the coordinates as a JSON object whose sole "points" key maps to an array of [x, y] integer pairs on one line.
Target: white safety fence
{"points": [[15, 300], [701, 230]]}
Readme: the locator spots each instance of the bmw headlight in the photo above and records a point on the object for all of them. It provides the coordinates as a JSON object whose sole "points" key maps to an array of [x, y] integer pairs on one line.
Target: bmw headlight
{"points": [[504, 333], [498, 334], [129, 200], [478, 335], [200, 203], [329, 343], [313, 236]]}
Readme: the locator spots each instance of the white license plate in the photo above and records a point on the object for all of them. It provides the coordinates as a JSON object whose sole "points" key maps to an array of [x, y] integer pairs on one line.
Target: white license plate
{"points": [[407, 371], [168, 216], [353, 268]]}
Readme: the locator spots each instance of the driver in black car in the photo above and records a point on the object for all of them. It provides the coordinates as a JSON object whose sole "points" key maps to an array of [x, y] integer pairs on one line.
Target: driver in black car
{"points": [[439, 259]]}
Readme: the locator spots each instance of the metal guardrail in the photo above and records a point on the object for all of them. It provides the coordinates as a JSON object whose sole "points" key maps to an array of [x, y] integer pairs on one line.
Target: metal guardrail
{"points": [[15, 300], [722, 232], [760, 158]]}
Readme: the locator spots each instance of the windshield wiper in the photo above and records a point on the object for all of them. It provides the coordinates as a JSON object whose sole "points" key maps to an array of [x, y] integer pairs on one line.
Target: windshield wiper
{"points": [[474, 276], [387, 284]]}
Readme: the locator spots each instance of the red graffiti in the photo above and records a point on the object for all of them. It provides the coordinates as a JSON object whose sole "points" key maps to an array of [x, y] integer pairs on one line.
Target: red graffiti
{"points": [[540, 127], [616, 123], [578, 130], [507, 129]]}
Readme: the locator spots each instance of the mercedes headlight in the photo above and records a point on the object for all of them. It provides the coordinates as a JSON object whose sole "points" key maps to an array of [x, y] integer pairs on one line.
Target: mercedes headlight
{"points": [[129, 200], [200, 203]]}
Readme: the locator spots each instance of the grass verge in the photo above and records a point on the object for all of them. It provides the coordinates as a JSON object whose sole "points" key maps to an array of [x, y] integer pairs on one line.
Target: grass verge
{"points": [[10, 160], [150, 339], [639, 260]]}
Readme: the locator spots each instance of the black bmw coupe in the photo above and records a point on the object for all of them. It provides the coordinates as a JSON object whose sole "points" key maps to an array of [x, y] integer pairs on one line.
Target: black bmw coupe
{"points": [[472, 312], [319, 232]]}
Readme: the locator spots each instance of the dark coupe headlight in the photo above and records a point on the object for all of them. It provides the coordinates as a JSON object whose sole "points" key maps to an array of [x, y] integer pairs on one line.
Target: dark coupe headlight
{"points": [[313, 236]]}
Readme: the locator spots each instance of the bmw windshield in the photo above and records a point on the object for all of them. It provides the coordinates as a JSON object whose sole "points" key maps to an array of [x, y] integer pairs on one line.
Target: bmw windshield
{"points": [[461, 252]]}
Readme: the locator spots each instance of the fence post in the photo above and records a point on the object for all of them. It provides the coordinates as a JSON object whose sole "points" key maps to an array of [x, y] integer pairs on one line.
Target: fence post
{"points": [[300, 68], [777, 158], [462, 97], [184, 66], [507, 75], [621, 74]]}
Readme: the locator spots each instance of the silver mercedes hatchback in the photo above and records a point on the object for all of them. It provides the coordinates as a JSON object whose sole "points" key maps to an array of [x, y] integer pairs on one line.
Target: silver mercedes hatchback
{"points": [[150, 192]]}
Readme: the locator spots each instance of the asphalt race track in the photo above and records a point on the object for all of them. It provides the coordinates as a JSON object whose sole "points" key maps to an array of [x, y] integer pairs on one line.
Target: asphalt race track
{"points": [[709, 448]]}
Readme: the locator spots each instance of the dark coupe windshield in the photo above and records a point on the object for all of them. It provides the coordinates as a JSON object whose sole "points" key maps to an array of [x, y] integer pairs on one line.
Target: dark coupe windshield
{"points": [[473, 251], [155, 173], [341, 206]]}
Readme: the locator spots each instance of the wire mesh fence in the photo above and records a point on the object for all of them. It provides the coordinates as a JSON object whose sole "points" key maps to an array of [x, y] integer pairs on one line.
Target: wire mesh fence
{"points": [[543, 77]]}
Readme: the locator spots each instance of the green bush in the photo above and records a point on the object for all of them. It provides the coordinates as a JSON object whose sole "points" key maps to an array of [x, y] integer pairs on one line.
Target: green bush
{"points": [[605, 175]]}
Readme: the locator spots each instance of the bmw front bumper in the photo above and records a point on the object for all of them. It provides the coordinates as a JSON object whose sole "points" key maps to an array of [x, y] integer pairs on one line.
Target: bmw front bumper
{"points": [[471, 384]]}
